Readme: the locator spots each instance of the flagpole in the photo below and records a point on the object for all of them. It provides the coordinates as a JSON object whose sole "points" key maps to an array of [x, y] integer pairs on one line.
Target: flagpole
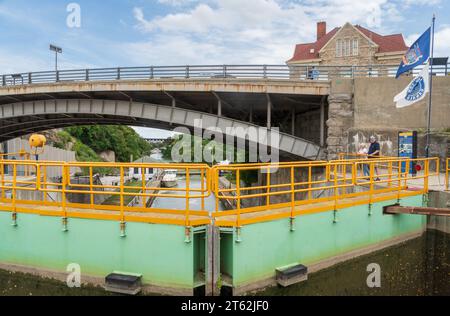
{"points": [[431, 62]]}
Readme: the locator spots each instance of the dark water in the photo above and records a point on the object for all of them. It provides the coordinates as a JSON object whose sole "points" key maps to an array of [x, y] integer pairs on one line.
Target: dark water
{"points": [[418, 267]]}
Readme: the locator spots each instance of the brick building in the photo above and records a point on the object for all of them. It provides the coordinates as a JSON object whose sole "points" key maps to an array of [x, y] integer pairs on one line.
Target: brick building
{"points": [[350, 45]]}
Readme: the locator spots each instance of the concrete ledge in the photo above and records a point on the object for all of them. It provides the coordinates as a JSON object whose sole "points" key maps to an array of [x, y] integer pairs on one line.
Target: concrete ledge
{"points": [[88, 280], [327, 263]]}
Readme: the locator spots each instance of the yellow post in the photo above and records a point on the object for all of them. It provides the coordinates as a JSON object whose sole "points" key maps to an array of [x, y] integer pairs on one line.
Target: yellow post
{"points": [[268, 187], [91, 186], [144, 187], [309, 182], [202, 175], [426, 174], [2, 172], [238, 195], [372, 171], [188, 179], [336, 190], [63, 189], [122, 191], [216, 187], [292, 192]]}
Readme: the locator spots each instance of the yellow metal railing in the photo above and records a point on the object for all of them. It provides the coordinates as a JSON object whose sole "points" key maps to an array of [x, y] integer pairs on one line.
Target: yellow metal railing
{"points": [[311, 187], [282, 190], [54, 193]]}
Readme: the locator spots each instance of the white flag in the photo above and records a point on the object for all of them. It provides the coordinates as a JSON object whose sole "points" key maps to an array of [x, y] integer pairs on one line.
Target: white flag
{"points": [[416, 90]]}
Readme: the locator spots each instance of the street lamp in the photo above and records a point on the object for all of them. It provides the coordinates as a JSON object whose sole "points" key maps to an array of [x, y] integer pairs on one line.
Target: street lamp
{"points": [[57, 50]]}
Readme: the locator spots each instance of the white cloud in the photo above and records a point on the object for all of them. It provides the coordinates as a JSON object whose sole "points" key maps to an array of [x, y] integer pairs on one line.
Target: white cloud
{"points": [[441, 40], [251, 31]]}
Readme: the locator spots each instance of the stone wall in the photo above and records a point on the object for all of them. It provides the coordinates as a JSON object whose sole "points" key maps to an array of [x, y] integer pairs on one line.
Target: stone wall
{"points": [[340, 120]]}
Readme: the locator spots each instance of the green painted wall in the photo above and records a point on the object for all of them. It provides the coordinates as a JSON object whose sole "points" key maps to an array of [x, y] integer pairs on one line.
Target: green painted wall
{"points": [[267, 246], [156, 251]]}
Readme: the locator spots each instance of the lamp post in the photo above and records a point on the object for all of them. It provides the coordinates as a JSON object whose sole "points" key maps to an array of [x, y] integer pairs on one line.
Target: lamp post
{"points": [[57, 50]]}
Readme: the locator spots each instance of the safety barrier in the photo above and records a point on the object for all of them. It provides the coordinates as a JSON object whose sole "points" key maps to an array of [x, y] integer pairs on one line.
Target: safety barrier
{"points": [[301, 188], [54, 199], [311, 187], [279, 72]]}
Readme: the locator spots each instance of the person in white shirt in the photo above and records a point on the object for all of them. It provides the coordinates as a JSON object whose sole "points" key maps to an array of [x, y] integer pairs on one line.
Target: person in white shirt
{"points": [[363, 151]]}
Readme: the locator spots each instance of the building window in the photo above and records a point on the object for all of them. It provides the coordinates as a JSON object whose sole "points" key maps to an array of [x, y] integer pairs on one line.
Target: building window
{"points": [[339, 48], [355, 47], [348, 47]]}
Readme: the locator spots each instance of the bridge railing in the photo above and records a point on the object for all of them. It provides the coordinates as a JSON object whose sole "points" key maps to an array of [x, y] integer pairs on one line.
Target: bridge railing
{"points": [[282, 72], [310, 187]]}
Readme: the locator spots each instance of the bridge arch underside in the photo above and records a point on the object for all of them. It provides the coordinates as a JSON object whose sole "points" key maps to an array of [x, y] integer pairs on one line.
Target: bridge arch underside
{"points": [[22, 118]]}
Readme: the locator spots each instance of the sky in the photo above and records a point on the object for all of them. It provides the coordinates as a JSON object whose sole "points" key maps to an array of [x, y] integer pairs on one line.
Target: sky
{"points": [[120, 33]]}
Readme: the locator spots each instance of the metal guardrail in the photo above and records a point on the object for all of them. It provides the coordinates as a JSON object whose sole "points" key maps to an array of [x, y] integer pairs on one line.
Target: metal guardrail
{"points": [[297, 72], [299, 191], [388, 179], [12, 185]]}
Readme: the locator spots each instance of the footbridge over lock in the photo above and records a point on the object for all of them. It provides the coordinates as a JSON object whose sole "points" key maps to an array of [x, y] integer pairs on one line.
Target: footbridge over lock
{"points": [[321, 213]]}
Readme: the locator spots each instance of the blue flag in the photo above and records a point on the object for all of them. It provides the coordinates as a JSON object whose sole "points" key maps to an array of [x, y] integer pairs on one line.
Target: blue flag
{"points": [[417, 55]]}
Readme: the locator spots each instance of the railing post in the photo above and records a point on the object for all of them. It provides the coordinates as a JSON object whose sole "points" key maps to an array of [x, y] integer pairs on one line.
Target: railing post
{"points": [[3, 80], [118, 73], [238, 195], [187, 72], [87, 75], [29, 78], [151, 72], [57, 76], [187, 214], [122, 208], [224, 71], [265, 71], [292, 198]]}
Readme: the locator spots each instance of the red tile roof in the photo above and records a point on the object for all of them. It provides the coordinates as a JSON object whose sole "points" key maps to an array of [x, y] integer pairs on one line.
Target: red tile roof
{"points": [[386, 43]]}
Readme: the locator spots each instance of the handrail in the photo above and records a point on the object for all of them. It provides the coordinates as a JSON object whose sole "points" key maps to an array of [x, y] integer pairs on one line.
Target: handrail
{"points": [[88, 207], [301, 188], [299, 183], [284, 72]]}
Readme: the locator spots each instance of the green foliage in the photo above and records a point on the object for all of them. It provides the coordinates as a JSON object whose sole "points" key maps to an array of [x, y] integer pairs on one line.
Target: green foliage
{"points": [[123, 140], [214, 147], [63, 139]]}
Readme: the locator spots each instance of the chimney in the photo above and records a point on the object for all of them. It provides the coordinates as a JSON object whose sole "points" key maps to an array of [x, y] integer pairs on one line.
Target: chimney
{"points": [[321, 29]]}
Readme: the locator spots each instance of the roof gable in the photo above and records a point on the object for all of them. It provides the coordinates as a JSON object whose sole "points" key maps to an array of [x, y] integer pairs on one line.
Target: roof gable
{"points": [[341, 29], [384, 43]]}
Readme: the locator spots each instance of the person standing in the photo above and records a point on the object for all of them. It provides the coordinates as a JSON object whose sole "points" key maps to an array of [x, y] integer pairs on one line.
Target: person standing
{"points": [[374, 152], [362, 153]]}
